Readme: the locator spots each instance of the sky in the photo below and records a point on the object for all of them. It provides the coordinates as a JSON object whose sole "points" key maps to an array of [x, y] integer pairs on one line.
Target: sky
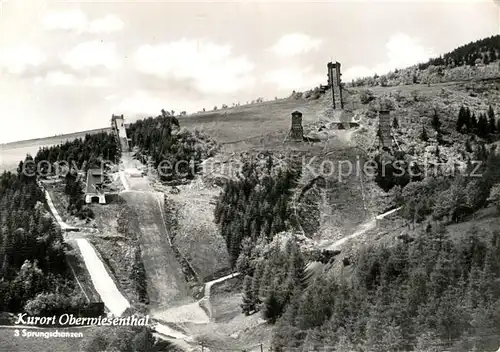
{"points": [[68, 66]]}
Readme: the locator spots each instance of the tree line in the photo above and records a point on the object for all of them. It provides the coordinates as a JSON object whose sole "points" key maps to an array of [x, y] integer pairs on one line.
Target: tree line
{"points": [[486, 49], [483, 126], [85, 153], [176, 152]]}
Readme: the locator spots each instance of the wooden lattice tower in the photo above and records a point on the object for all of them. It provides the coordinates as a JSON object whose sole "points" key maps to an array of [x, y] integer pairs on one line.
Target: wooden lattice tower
{"points": [[297, 131], [335, 83], [384, 128]]}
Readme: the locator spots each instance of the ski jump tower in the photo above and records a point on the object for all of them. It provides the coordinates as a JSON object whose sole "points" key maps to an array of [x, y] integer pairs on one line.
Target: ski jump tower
{"points": [[334, 82], [118, 126], [297, 131], [384, 129]]}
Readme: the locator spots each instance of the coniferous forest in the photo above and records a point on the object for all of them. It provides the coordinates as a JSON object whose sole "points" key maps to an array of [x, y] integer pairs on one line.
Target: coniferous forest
{"points": [[431, 293], [83, 153], [78, 155], [34, 275], [176, 152], [427, 295], [487, 50], [257, 205]]}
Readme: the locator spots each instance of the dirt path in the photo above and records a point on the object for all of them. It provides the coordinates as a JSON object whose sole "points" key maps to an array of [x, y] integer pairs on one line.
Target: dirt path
{"points": [[362, 229], [314, 268], [208, 285]]}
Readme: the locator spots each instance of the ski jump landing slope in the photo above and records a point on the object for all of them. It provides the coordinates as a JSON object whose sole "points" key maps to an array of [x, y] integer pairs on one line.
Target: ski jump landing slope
{"points": [[165, 279], [103, 283]]}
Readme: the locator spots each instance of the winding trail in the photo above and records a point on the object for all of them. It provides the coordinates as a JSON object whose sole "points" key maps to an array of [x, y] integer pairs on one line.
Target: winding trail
{"points": [[314, 268]]}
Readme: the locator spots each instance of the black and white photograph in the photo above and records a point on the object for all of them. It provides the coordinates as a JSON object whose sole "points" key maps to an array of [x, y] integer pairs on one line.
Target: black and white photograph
{"points": [[249, 176]]}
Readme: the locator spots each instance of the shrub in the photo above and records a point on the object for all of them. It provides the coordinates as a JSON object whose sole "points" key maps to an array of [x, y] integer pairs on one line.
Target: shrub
{"points": [[415, 95], [85, 213], [316, 94], [383, 81], [386, 103], [47, 304]]}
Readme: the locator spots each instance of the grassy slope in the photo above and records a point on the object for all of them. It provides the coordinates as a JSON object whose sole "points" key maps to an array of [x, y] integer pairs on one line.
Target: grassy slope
{"points": [[253, 122], [197, 236], [116, 249], [447, 98]]}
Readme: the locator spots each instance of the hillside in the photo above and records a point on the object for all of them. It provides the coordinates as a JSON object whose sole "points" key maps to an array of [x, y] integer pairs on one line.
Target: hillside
{"points": [[484, 50], [473, 61], [268, 208], [413, 106]]}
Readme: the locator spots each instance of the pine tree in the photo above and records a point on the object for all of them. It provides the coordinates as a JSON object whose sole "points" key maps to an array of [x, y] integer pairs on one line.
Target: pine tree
{"points": [[243, 263], [482, 126], [256, 281], [486, 59], [491, 118], [271, 308], [296, 265], [266, 280], [461, 119], [468, 147], [467, 120], [423, 135], [436, 124], [493, 54], [248, 305], [473, 122], [395, 123], [439, 138]]}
